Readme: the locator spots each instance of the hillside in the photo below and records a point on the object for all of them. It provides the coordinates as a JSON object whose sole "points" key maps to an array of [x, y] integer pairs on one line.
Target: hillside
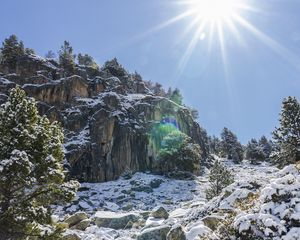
{"points": [[109, 116], [91, 152], [127, 208]]}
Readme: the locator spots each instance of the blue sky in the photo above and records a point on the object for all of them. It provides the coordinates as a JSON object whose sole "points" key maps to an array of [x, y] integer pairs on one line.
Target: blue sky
{"points": [[243, 93]]}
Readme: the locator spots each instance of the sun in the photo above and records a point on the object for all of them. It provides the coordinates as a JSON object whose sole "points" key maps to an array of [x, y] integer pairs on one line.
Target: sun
{"points": [[214, 10], [213, 25]]}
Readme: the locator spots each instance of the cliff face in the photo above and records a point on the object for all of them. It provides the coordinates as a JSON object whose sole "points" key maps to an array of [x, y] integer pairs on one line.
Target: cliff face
{"points": [[107, 115]]}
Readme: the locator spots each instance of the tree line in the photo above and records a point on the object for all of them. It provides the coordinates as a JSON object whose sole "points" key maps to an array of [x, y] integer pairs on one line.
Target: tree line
{"points": [[282, 149]]}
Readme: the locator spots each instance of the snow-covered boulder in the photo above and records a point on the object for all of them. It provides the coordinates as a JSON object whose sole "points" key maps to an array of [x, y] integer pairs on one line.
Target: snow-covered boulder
{"points": [[212, 221], [71, 236], [160, 212], [277, 213], [76, 218], [176, 233], [197, 231], [116, 220], [155, 233], [82, 225]]}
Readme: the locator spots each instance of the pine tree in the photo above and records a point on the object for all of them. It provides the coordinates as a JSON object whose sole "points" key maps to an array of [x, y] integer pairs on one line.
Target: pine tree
{"points": [[176, 96], [87, 60], [287, 135], [266, 146], [214, 145], [169, 92], [31, 172], [194, 112], [29, 51], [230, 147], [178, 152], [219, 178], [67, 58], [11, 49], [254, 152], [50, 54]]}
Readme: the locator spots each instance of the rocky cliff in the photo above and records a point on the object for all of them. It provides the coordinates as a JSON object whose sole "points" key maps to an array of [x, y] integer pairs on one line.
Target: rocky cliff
{"points": [[107, 115]]}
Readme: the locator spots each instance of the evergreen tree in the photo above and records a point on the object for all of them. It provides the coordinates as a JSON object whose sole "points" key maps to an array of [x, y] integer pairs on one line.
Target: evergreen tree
{"points": [[11, 49], [31, 170], [219, 178], [287, 135], [230, 147], [194, 112], [29, 51], [214, 145], [114, 68], [87, 60], [169, 92], [67, 58], [50, 54], [254, 152], [137, 77], [158, 90], [266, 146], [176, 96], [178, 152]]}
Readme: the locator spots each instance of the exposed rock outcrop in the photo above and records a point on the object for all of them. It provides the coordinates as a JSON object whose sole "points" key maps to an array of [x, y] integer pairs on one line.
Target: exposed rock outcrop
{"points": [[107, 115]]}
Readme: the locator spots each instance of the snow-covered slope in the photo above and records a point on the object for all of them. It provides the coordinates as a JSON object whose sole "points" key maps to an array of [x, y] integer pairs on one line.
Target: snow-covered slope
{"points": [[189, 212]]}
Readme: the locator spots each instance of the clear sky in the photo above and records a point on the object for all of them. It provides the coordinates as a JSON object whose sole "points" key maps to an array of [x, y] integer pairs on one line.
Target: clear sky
{"points": [[239, 84]]}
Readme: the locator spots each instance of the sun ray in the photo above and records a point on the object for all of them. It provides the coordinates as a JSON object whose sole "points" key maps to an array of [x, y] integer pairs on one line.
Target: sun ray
{"points": [[189, 50], [188, 29], [191, 47], [211, 36], [269, 42], [232, 27], [164, 24]]}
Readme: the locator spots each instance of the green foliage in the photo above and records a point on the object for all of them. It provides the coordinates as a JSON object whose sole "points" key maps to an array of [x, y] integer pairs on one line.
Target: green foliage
{"points": [[114, 68], [11, 49], [266, 146], [159, 132], [67, 58], [219, 178], [31, 171], [230, 147], [254, 152], [214, 145], [194, 112], [87, 60], [29, 51], [50, 54], [287, 135], [178, 153], [176, 96]]}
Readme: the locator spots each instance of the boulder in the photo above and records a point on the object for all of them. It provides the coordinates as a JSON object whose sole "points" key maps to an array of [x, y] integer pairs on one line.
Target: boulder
{"points": [[155, 233], [212, 221], [76, 218], [115, 220], [82, 225], [71, 236], [176, 233], [160, 212], [155, 183], [142, 188]]}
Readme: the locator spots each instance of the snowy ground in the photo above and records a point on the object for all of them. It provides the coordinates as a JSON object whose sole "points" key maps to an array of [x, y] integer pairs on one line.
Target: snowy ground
{"points": [[141, 192], [144, 191]]}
